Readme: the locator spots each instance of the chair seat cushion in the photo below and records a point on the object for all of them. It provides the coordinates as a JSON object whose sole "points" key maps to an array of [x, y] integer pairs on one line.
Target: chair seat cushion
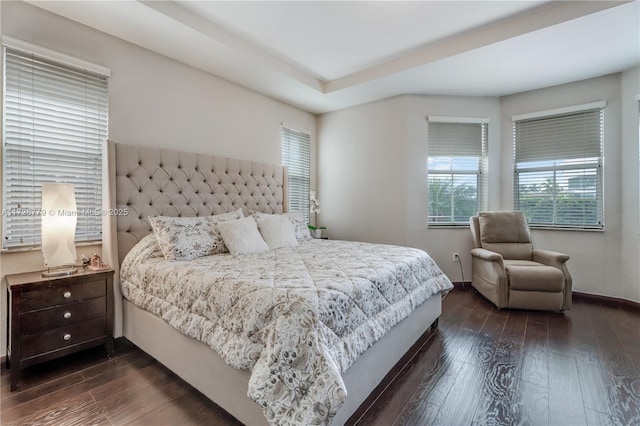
{"points": [[532, 276], [513, 262]]}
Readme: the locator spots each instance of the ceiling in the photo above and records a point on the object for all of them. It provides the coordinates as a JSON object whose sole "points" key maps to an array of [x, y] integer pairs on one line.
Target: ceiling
{"points": [[326, 55]]}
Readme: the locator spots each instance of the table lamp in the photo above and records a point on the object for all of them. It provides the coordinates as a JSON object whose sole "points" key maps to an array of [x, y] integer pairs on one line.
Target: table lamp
{"points": [[59, 218]]}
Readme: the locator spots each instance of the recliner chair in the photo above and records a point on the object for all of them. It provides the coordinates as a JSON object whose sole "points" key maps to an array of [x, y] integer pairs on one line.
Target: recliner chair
{"points": [[509, 272]]}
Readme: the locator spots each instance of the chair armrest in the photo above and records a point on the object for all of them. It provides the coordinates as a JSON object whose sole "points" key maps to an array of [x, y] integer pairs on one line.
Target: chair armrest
{"points": [[557, 260], [550, 258], [489, 276], [487, 255]]}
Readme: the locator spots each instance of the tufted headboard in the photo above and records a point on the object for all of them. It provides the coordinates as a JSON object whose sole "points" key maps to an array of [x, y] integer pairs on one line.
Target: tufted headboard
{"points": [[152, 181]]}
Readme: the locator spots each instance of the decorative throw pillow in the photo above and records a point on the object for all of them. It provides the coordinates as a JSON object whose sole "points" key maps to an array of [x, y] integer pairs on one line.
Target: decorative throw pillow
{"points": [[277, 231], [219, 218], [186, 238], [297, 218], [241, 236]]}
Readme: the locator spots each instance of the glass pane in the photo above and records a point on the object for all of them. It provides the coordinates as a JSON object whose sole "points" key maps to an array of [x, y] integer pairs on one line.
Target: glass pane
{"points": [[560, 197], [470, 164], [453, 198], [466, 164], [439, 163], [440, 190], [465, 196]]}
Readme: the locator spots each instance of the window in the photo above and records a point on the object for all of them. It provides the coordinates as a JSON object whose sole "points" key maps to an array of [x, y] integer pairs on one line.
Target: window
{"points": [[558, 167], [296, 154], [457, 170], [55, 121]]}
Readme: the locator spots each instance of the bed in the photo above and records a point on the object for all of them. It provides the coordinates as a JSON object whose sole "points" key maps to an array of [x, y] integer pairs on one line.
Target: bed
{"points": [[149, 181]]}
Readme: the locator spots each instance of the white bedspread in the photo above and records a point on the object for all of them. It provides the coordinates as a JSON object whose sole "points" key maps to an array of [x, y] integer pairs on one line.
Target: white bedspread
{"points": [[296, 317]]}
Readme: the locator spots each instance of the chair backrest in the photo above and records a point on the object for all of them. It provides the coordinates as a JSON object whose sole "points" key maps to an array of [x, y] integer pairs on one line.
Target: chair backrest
{"points": [[506, 233]]}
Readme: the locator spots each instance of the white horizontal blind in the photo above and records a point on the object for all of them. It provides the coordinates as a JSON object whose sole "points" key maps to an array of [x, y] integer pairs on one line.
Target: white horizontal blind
{"points": [[296, 155], [55, 121], [558, 169], [457, 171]]}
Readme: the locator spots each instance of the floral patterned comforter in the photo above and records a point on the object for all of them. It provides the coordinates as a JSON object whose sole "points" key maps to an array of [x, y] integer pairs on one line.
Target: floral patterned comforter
{"points": [[296, 317]]}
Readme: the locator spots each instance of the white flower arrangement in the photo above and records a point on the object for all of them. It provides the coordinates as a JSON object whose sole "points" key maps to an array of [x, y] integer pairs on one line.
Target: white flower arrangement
{"points": [[314, 204], [314, 207]]}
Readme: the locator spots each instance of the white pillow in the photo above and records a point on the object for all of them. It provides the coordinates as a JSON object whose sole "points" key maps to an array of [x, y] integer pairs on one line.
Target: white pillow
{"points": [[297, 218], [241, 236], [223, 217], [277, 231]]}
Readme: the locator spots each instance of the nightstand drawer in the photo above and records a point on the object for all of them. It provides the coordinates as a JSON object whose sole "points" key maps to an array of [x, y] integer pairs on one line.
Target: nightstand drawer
{"points": [[61, 294], [63, 315], [48, 341]]}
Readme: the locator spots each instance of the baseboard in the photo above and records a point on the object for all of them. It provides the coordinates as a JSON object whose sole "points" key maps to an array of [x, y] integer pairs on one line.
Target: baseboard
{"points": [[461, 284], [607, 300]]}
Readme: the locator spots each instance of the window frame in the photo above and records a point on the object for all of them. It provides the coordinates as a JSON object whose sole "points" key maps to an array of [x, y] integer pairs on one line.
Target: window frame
{"points": [[40, 136], [298, 171], [595, 164], [481, 172]]}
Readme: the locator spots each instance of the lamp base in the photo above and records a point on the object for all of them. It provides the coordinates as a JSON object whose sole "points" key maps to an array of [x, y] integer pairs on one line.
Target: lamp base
{"points": [[62, 271]]}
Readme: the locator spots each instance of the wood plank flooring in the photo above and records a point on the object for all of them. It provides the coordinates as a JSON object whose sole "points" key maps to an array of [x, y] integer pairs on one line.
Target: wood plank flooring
{"points": [[481, 366]]}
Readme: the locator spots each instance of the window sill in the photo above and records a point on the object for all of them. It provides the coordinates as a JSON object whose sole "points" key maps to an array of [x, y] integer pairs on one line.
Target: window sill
{"points": [[448, 226], [551, 228], [38, 247]]}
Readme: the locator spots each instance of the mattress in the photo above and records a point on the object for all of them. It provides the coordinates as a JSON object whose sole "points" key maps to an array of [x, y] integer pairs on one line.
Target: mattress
{"points": [[297, 318]]}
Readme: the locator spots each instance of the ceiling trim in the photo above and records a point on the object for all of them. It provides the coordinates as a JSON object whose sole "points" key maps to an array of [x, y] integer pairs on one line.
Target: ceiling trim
{"points": [[173, 30], [180, 14], [542, 17]]}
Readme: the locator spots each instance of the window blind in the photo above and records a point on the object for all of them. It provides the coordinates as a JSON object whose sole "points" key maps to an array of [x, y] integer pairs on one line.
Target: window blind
{"points": [[296, 155], [457, 171], [558, 169], [55, 121]]}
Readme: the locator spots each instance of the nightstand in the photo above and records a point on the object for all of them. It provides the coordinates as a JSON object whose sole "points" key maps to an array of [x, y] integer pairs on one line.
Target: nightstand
{"points": [[53, 317]]}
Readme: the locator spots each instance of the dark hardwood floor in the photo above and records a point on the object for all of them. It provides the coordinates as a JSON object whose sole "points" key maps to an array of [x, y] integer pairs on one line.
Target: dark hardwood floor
{"points": [[481, 366]]}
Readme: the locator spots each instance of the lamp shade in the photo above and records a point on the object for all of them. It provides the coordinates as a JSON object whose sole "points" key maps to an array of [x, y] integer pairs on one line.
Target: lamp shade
{"points": [[59, 218]]}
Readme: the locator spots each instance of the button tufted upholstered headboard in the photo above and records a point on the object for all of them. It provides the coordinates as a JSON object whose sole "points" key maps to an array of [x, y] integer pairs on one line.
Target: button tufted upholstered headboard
{"points": [[152, 181]]}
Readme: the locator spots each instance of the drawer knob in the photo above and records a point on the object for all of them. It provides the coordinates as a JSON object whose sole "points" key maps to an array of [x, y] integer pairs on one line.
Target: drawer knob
{"points": [[67, 336], [67, 315], [67, 294]]}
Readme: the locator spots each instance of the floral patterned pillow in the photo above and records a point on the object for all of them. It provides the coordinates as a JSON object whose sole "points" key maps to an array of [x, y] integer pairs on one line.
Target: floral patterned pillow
{"points": [[186, 238], [297, 218]]}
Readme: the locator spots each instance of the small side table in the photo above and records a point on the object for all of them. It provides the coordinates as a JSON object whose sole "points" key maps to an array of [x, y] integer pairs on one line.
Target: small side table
{"points": [[50, 317]]}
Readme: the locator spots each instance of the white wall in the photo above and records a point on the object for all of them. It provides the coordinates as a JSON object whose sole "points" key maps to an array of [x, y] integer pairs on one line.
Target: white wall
{"points": [[361, 170], [154, 100], [603, 263], [630, 163]]}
